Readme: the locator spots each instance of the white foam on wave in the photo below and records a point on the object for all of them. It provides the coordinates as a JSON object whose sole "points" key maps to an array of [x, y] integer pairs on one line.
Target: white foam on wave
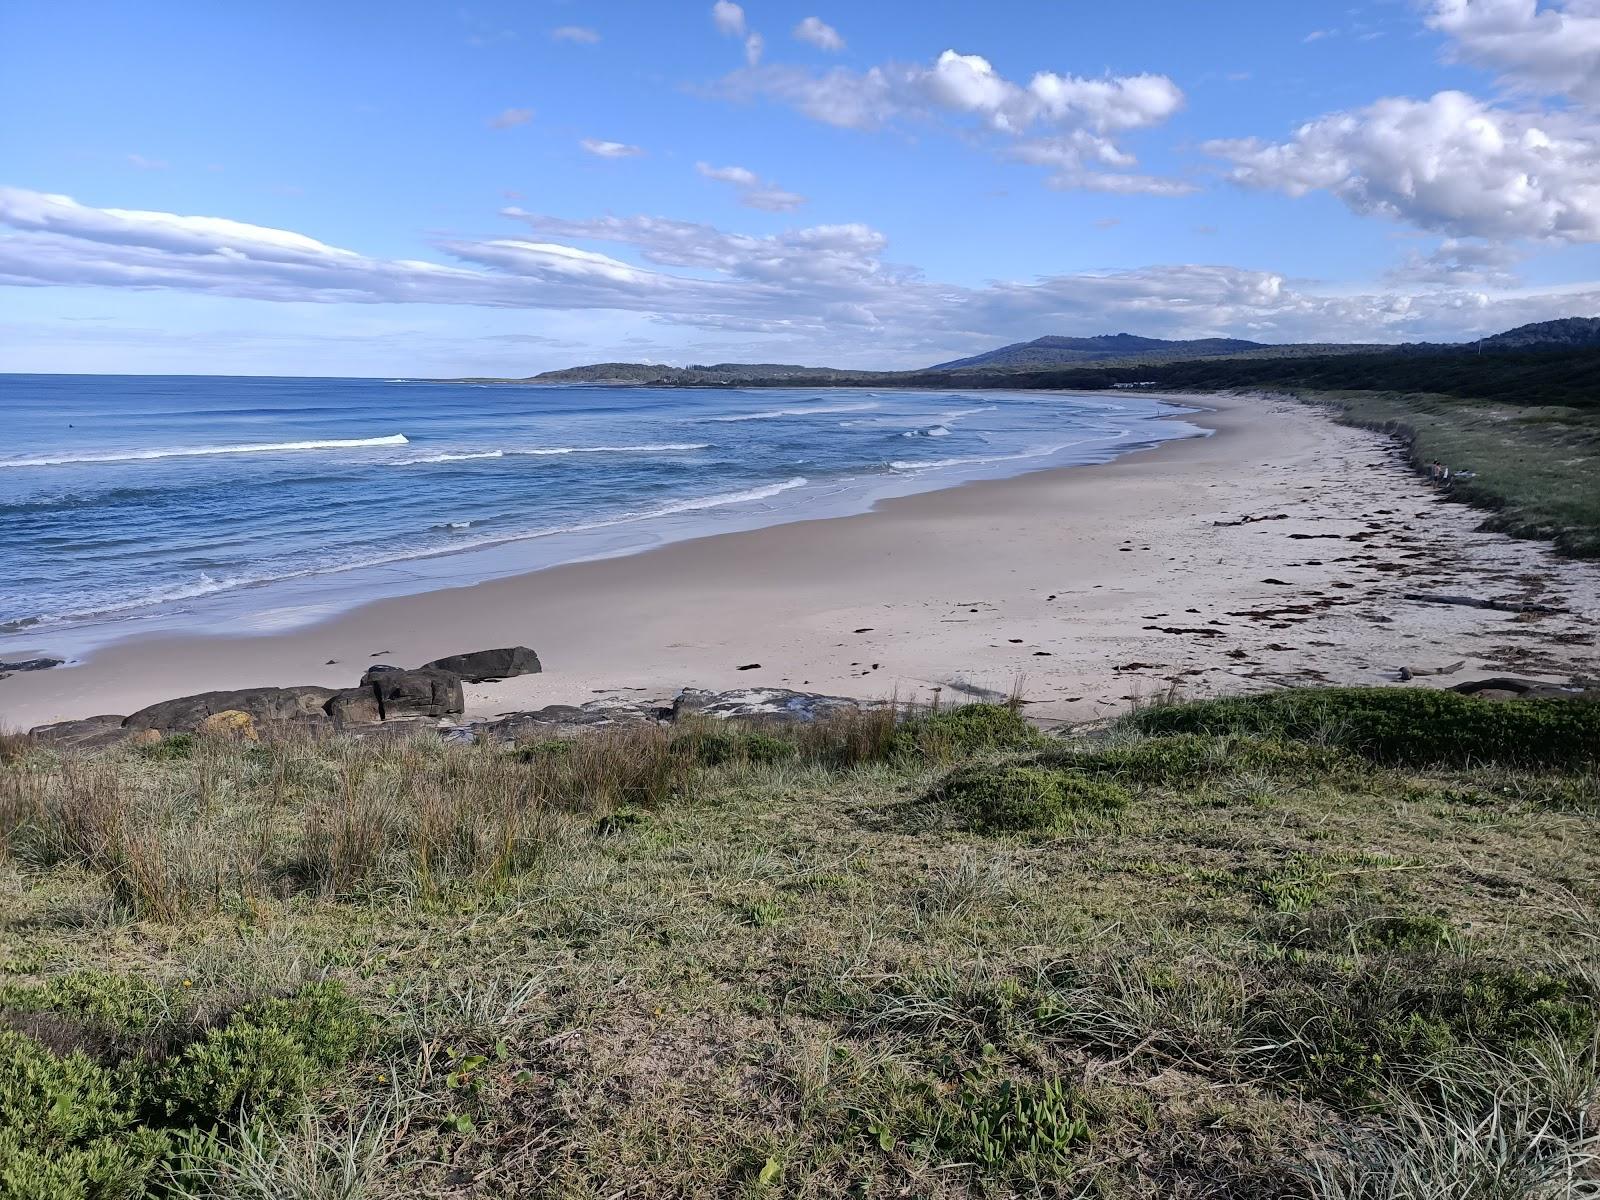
{"points": [[931, 431], [439, 458], [646, 449], [1036, 452], [543, 451], [774, 414], [393, 439], [206, 585]]}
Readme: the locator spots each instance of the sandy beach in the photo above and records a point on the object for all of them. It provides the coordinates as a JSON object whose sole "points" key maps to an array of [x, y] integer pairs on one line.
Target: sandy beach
{"points": [[1276, 552]]}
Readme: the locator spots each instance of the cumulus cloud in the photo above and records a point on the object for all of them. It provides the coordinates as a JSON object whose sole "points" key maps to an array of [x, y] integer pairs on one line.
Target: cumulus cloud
{"points": [[1451, 164], [581, 34], [1458, 262], [510, 118], [754, 193], [602, 149], [1553, 49], [825, 292], [754, 44], [820, 34], [1077, 116], [728, 18]]}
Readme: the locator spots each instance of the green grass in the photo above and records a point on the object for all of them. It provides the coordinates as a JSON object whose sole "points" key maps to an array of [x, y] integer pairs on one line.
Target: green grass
{"points": [[955, 958]]}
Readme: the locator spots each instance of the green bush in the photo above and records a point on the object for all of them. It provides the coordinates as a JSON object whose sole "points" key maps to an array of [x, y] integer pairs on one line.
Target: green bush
{"points": [[717, 747], [1407, 726], [171, 748], [964, 731], [1192, 758], [1022, 799], [66, 1128], [266, 1056], [98, 1125]]}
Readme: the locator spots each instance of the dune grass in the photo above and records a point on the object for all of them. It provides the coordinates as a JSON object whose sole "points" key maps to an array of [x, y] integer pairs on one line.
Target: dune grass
{"points": [[946, 957]]}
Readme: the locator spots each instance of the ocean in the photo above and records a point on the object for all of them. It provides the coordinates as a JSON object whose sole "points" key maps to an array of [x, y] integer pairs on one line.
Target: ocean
{"points": [[219, 504]]}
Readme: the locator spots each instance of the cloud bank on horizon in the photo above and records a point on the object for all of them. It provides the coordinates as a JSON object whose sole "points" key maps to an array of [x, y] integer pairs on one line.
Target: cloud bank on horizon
{"points": [[949, 204]]}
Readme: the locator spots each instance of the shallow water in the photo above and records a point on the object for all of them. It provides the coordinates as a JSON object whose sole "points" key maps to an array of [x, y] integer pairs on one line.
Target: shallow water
{"points": [[128, 503]]}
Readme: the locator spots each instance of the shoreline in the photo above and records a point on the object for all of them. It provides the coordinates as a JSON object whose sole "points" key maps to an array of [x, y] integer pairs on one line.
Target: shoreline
{"points": [[1095, 585]]}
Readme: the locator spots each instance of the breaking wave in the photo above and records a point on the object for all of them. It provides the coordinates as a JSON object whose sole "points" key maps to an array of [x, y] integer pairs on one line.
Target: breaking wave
{"points": [[393, 439]]}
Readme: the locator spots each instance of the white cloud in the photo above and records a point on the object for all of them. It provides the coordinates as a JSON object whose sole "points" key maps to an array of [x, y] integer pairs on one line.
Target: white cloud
{"points": [[823, 293], [147, 164], [753, 46], [772, 199], [1455, 262], [1451, 163], [754, 193], [728, 18], [1553, 49], [602, 149], [820, 34], [1316, 35], [510, 118], [1077, 115], [581, 34]]}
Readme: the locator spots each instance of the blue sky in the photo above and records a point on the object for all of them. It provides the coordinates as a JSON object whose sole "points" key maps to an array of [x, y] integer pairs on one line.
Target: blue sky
{"points": [[406, 189]]}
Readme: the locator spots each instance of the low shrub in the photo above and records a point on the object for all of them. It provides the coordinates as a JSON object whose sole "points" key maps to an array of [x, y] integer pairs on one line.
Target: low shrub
{"points": [[1192, 758], [1405, 726], [1026, 799], [97, 1103], [961, 732], [174, 747], [266, 1056], [718, 747]]}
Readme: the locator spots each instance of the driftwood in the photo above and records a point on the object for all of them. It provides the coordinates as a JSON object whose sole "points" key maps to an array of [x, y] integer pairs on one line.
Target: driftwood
{"points": [[1511, 606], [1413, 672]]}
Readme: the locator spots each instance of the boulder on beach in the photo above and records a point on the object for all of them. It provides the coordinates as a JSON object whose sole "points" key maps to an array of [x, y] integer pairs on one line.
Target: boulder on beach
{"points": [[90, 733], [419, 693], [354, 707], [266, 705], [484, 666], [231, 724], [40, 664], [1508, 687], [774, 705]]}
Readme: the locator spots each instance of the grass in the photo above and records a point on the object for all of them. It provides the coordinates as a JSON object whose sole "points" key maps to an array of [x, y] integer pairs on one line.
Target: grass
{"points": [[938, 957]]}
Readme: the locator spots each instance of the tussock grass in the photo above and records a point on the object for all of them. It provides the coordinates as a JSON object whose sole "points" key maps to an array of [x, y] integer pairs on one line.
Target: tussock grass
{"points": [[722, 961]]}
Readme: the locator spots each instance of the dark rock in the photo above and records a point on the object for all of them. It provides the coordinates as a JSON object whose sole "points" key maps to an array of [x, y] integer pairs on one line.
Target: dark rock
{"points": [[761, 705], [354, 707], [30, 664], [1510, 688], [421, 693], [286, 705], [91, 733], [482, 666]]}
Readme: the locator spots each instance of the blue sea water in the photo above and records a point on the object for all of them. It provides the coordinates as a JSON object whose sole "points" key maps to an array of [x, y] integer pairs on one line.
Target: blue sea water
{"points": [[134, 503]]}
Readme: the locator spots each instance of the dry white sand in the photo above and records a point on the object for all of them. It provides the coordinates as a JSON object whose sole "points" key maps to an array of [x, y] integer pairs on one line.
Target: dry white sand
{"points": [[1092, 586]]}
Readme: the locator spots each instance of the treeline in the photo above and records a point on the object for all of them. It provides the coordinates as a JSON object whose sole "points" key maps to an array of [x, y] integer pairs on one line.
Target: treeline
{"points": [[1562, 377]]}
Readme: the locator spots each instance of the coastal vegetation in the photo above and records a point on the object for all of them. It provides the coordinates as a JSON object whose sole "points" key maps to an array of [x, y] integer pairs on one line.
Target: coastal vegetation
{"points": [[1327, 945]]}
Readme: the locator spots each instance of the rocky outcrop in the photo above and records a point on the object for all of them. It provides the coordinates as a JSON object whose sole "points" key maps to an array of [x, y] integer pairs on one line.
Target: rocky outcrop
{"points": [[28, 664], [776, 706], [759, 705], [1507, 687], [91, 733], [267, 705], [419, 693], [484, 666], [354, 707]]}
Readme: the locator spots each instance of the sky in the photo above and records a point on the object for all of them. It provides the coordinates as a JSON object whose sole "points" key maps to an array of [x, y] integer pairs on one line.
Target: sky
{"points": [[501, 188]]}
